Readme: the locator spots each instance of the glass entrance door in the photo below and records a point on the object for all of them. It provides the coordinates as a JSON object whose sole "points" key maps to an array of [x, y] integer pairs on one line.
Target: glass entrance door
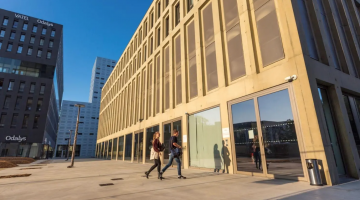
{"points": [[331, 129], [168, 132], [353, 109], [138, 147], [265, 137]]}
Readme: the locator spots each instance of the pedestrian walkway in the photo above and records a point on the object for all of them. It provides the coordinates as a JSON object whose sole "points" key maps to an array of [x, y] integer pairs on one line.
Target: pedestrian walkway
{"points": [[55, 181]]}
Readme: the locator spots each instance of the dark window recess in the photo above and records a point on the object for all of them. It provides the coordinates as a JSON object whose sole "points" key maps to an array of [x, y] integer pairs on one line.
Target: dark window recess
{"points": [[2, 119], [92, 117], [79, 133], [36, 121], [91, 134], [177, 14], [14, 120], [81, 116], [71, 105]]}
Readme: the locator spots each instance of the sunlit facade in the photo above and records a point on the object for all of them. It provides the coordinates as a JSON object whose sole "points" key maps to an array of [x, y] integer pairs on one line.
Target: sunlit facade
{"points": [[254, 86]]}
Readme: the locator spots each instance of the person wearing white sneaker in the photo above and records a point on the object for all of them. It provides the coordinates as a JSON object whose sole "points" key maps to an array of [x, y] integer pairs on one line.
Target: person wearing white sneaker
{"points": [[175, 150]]}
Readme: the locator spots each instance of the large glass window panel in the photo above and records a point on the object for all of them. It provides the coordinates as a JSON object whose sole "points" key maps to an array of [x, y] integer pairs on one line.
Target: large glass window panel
{"points": [[271, 46], [157, 82], [149, 137], [138, 148], [121, 148], [167, 134], [331, 129], [208, 24], [246, 138], [354, 118], [128, 146], [235, 53], [192, 72], [114, 150], [109, 150], [211, 67], [150, 84], [166, 79], [205, 139], [279, 135], [177, 71]]}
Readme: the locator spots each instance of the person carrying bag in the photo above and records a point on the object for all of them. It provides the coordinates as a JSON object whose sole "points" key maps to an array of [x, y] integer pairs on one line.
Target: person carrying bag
{"points": [[155, 154]]}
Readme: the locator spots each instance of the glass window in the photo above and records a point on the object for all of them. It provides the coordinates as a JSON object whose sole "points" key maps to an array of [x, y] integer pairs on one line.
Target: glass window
{"points": [[210, 50], [177, 71], [128, 146], [19, 50], [2, 33], [148, 142], [36, 121], [2, 119], [205, 139], [114, 149], [235, 51], [15, 24], [353, 109], [14, 120], [1, 83], [246, 137], [0, 44], [191, 55], [279, 135], [30, 50], [11, 85], [25, 121], [166, 27], [48, 55], [158, 36], [17, 103], [157, 85], [39, 53], [269, 33], [39, 104], [32, 40], [34, 29], [22, 37], [158, 9], [43, 31], [12, 35], [42, 40], [331, 129], [32, 88], [29, 103], [51, 43], [5, 21], [177, 14], [53, 33], [42, 89], [190, 4], [167, 78], [21, 87], [25, 26], [151, 20], [7, 102]]}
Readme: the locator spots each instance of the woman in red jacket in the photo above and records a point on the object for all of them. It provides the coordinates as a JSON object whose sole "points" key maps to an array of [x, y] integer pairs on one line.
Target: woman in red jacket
{"points": [[156, 153]]}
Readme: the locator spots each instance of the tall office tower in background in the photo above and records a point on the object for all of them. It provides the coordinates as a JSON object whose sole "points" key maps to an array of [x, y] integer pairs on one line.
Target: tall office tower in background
{"points": [[31, 84], [89, 115]]}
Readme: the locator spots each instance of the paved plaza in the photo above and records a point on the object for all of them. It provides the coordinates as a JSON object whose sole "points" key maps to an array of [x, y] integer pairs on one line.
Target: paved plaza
{"points": [[53, 180]]}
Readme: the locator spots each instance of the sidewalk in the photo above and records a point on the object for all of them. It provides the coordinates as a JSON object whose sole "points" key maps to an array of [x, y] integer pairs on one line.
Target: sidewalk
{"points": [[55, 181]]}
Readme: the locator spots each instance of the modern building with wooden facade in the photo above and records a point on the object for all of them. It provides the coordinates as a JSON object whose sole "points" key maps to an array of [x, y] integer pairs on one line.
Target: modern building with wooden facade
{"points": [[254, 86]]}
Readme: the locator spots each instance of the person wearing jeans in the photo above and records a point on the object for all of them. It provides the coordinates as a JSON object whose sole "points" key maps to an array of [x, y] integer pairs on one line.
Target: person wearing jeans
{"points": [[173, 145], [157, 152]]}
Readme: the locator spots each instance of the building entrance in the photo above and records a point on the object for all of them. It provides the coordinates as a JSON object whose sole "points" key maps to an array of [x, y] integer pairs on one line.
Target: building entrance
{"points": [[265, 136]]}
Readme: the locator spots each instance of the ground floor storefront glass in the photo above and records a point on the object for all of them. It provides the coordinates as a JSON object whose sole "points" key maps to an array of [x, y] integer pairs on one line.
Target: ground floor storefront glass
{"points": [[149, 137], [128, 146], [169, 128], [109, 150], [62, 151], [138, 146], [114, 149], [31, 150], [205, 138], [273, 150], [121, 148]]}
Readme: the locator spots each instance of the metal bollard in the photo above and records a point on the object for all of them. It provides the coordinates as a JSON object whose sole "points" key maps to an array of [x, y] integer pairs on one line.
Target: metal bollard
{"points": [[314, 172]]}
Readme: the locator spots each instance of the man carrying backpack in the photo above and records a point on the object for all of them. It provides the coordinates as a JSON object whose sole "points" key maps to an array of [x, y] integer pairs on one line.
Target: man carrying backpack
{"points": [[176, 152]]}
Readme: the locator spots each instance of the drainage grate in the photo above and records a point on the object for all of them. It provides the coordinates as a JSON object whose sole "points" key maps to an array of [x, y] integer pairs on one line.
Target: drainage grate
{"points": [[15, 176], [117, 179], [106, 184], [30, 168]]}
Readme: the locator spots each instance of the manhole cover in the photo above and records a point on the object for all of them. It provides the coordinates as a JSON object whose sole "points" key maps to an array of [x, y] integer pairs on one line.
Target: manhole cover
{"points": [[16, 175], [117, 179], [106, 184]]}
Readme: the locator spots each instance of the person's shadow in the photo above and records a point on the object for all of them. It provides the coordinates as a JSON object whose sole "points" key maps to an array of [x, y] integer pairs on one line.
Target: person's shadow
{"points": [[226, 157], [217, 158]]}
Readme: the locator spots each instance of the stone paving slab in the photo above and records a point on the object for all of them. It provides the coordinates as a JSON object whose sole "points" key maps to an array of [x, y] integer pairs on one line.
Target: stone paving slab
{"points": [[56, 181]]}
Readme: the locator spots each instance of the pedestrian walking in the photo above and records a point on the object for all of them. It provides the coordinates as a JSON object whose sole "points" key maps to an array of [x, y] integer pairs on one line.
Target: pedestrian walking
{"points": [[155, 154], [176, 152]]}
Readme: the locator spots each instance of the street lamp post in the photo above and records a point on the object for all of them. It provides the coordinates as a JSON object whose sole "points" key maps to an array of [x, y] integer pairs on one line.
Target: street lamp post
{"points": [[75, 137], [67, 153]]}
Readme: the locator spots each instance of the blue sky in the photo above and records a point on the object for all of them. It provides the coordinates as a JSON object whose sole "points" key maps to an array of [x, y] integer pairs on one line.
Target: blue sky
{"points": [[91, 28]]}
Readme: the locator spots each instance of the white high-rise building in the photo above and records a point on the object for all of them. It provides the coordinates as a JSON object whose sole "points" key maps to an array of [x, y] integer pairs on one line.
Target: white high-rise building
{"points": [[89, 116]]}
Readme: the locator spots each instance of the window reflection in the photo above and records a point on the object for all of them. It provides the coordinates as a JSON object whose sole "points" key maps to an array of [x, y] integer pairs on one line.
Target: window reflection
{"points": [[128, 146], [149, 136]]}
